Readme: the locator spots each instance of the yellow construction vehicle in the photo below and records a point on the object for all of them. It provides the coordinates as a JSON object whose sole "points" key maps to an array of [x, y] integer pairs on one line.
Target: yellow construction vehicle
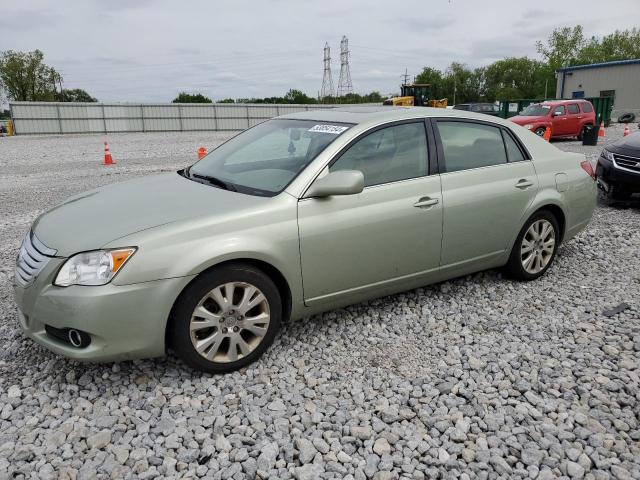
{"points": [[415, 94]]}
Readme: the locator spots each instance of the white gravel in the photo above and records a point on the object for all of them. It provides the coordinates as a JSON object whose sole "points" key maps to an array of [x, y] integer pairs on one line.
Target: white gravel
{"points": [[479, 377]]}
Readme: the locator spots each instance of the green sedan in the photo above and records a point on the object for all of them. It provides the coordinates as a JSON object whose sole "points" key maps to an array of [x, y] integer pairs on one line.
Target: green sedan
{"points": [[301, 214]]}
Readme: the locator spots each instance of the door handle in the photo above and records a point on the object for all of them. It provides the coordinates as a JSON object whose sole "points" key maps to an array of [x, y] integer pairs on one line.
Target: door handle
{"points": [[523, 184], [426, 202]]}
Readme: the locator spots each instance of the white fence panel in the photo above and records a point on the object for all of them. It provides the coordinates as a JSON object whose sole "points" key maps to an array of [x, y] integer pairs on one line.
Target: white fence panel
{"points": [[199, 124], [56, 118]]}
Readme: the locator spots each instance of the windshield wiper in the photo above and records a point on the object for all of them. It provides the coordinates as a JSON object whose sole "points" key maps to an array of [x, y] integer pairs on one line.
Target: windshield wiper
{"points": [[215, 181]]}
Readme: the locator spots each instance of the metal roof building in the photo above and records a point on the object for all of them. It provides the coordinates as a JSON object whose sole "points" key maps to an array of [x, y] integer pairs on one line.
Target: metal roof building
{"points": [[619, 79]]}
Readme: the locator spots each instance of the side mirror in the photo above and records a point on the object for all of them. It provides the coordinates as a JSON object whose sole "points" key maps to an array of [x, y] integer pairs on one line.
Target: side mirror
{"points": [[557, 114], [342, 182]]}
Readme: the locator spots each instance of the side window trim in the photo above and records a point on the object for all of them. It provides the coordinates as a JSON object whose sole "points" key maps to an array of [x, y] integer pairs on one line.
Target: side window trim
{"points": [[430, 153], [442, 168]]}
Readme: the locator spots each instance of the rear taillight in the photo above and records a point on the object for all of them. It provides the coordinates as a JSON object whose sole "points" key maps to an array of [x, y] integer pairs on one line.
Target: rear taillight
{"points": [[586, 166]]}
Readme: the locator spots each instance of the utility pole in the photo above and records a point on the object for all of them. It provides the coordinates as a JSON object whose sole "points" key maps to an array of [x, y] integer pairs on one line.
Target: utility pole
{"points": [[546, 84], [405, 76], [60, 82]]}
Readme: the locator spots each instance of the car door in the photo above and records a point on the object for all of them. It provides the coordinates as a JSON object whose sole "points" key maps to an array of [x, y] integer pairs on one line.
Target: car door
{"points": [[488, 183], [573, 119], [559, 120], [387, 237]]}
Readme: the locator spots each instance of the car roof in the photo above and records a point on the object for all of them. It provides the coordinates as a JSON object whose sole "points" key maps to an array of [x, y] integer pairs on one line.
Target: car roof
{"points": [[375, 114], [563, 102]]}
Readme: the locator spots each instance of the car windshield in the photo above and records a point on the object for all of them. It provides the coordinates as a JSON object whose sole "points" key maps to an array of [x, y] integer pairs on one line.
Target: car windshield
{"points": [[266, 158], [536, 110]]}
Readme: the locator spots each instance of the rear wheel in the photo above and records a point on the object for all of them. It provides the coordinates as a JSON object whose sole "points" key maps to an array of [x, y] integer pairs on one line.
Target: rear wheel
{"points": [[535, 248], [226, 319]]}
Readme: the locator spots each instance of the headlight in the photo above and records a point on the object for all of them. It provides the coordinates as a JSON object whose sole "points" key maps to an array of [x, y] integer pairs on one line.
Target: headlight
{"points": [[607, 154], [92, 268], [528, 126]]}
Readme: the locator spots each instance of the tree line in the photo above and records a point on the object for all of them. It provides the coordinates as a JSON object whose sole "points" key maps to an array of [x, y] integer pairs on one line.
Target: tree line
{"points": [[524, 77], [25, 77], [292, 96]]}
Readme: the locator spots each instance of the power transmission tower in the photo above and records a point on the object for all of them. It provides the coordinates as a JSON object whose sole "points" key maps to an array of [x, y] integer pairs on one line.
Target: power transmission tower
{"points": [[344, 83], [327, 79]]}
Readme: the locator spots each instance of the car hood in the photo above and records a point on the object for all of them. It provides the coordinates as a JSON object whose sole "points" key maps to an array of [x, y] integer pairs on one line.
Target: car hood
{"points": [[629, 145], [92, 219], [525, 119]]}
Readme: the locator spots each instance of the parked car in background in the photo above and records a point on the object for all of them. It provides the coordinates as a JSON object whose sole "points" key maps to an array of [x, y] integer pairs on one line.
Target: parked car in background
{"points": [[567, 118], [300, 214], [618, 169], [486, 108]]}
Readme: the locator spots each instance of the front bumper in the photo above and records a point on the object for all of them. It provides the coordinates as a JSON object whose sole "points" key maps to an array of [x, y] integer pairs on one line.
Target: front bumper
{"points": [[607, 172], [125, 322]]}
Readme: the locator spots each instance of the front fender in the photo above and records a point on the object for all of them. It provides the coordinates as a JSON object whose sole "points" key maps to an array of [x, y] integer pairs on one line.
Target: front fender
{"points": [[187, 248]]}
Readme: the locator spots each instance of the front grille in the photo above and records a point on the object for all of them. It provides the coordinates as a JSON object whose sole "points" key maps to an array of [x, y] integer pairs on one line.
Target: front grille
{"points": [[627, 162], [32, 258]]}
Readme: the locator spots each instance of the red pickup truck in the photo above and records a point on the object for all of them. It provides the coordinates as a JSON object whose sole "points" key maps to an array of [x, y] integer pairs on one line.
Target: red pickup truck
{"points": [[567, 118]]}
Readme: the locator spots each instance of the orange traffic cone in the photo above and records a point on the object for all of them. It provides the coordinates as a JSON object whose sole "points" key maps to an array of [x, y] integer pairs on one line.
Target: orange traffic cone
{"points": [[108, 160], [547, 134], [202, 152], [626, 131], [601, 131]]}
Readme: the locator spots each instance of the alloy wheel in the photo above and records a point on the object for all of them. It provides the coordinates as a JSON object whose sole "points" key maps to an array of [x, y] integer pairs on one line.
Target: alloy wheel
{"points": [[538, 245], [229, 322]]}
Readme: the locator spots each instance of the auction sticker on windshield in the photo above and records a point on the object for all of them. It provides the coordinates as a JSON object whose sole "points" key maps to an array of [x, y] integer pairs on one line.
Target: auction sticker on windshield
{"points": [[335, 129]]}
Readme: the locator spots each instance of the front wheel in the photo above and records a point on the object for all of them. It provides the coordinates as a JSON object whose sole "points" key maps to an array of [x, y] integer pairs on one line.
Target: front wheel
{"points": [[225, 319], [540, 131], [535, 247]]}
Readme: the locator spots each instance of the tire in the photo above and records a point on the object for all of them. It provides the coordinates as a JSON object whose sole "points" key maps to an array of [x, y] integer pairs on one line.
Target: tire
{"points": [[626, 117], [518, 259], [211, 314], [540, 131]]}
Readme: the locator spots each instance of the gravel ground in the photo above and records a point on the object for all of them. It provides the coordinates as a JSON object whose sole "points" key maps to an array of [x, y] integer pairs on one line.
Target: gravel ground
{"points": [[479, 377]]}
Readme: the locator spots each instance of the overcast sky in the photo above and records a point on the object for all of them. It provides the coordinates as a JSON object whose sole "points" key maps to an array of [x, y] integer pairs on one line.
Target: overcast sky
{"points": [[149, 50]]}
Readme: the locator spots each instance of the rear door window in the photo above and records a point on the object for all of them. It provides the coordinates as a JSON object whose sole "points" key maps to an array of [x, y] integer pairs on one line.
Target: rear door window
{"points": [[469, 145], [573, 108]]}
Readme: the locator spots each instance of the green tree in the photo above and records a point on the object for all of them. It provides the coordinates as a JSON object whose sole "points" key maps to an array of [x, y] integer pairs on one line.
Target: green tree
{"points": [[461, 84], [520, 77], [297, 96], [184, 97], [25, 77], [620, 45], [562, 47], [227, 100], [77, 95]]}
